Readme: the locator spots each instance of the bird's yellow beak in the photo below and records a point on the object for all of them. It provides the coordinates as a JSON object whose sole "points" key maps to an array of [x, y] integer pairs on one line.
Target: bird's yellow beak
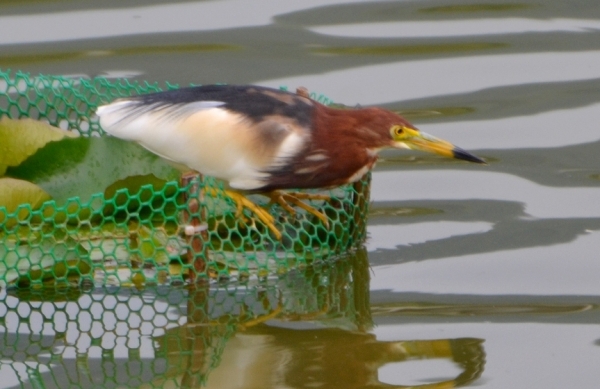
{"points": [[406, 137]]}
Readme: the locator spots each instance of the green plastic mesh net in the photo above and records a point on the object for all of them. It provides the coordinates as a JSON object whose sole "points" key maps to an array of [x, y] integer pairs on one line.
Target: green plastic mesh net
{"points": [[134, 234]]}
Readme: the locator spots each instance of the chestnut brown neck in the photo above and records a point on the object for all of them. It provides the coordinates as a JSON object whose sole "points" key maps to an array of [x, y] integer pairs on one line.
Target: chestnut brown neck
{"points": [[367, 127]]}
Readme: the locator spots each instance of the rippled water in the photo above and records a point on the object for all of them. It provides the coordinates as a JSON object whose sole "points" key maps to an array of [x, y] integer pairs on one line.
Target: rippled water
{"points": [[485, 275]]}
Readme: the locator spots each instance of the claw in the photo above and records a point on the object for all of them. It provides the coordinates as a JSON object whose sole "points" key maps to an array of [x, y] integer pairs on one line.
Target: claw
{"points": [[278, 197], [283, 198], [242, 202]]}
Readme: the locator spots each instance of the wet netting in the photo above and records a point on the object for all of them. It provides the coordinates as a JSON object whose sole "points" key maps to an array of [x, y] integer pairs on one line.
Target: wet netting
{"points": [[177, 336], [140, 228], [303, 329]]}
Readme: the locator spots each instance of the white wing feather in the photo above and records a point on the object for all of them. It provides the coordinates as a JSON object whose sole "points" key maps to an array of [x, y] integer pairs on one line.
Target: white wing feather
{"points": [[202, 135]]}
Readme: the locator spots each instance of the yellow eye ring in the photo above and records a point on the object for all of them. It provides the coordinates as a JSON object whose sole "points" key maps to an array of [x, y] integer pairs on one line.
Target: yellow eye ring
{"points": [[399, 130]]}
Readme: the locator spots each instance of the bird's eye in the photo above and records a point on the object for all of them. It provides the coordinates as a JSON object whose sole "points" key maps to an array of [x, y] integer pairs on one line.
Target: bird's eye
{"points": [[399, 130]]}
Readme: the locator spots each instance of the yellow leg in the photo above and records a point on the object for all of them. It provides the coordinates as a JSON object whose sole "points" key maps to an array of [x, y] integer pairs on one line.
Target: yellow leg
{"points": [[283, 198], [242, 202], [261, 319], [309, 196]]}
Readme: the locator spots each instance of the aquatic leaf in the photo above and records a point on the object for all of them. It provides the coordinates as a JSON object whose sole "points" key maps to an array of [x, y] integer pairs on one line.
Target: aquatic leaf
{"points": [[15, 192], [18, 60], [477, 7], [19, 139], [155, 245], [62, 293], [134, 184], [421, 49], [71, 269], [81, 167], [43, 261]]}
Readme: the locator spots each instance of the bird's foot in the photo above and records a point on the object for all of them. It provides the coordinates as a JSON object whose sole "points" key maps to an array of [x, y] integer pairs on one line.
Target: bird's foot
{"points": [[242, 202], [262, 318], [284, 199]]}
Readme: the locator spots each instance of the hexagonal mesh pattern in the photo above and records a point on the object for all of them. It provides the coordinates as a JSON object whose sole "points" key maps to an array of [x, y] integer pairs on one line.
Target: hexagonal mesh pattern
{"points": [[172, 336], [138, 238]]}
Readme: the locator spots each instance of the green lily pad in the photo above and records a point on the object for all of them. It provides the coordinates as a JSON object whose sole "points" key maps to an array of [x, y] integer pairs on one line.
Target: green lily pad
{"points": [[14, 192], [44, 261], [134, 184], [80, 167], [19, 139]]}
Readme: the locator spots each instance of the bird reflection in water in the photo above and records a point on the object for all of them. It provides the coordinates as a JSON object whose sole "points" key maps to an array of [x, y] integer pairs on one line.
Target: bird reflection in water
{"points": [[310, 330], [306, 328]]}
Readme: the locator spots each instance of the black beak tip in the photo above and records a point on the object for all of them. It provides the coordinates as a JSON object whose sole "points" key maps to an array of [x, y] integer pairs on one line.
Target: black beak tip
{"points": [[466, 156]]}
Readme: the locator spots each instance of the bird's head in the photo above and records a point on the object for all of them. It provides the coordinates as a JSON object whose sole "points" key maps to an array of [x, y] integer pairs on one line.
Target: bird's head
{"points": [[405, 136]]}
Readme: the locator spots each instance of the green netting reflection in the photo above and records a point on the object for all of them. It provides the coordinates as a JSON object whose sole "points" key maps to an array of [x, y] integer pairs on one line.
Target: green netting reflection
{"points": [[165, 336], [137, 238], [306, 328]]}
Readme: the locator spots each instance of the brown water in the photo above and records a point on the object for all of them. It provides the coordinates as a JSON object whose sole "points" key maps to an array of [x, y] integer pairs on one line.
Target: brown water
{"points": [[479, 275]]}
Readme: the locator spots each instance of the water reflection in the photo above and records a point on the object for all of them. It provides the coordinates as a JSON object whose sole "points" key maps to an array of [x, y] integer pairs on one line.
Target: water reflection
{"points": [[303, 329], [409, 49], [379, 84], [527, 271], [477, 8], [508, 221], [23, 59], [458, 28], [265, 357], [160, 18], [539, 201]]}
